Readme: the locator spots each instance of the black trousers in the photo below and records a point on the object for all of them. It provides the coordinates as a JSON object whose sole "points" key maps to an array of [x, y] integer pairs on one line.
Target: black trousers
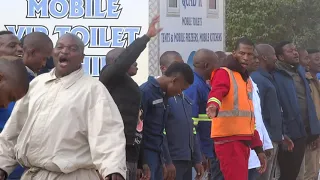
{"points": [[290, 162]]}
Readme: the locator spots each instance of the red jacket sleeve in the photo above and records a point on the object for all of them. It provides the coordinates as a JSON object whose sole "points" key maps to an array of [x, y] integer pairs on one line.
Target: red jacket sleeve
{"points": [[220, 85], [256, 142]]}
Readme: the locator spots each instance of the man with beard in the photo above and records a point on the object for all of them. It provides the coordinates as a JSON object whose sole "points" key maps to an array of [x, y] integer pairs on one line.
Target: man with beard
{"points": [[299, 115], [67, 125], [230, 104]]}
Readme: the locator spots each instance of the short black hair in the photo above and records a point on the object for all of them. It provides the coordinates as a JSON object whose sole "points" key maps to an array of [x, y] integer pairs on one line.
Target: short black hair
{"points": [[5, 32], [313, 51], [182, 69], [243, 40], [279, 47]]}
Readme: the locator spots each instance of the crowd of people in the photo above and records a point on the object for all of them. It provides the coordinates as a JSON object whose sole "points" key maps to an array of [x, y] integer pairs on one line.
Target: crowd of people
{"points": [[249, 115]]}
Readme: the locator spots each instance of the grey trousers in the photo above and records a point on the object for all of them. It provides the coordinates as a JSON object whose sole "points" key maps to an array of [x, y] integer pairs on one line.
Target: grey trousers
{"points": [[272, 165], [131, 171]]}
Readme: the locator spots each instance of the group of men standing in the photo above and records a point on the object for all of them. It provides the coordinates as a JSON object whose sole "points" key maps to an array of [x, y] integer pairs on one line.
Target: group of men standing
{"points": [[68, 125], [288, 94]]}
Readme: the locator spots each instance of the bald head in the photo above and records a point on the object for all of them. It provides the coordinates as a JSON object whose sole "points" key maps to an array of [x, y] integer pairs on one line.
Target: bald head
{"points": [[204, 56], [265, 50], [113, 55], [267, 56], [204, 62], [168, 57], [14, 81], [37, 40], [37, 48]]}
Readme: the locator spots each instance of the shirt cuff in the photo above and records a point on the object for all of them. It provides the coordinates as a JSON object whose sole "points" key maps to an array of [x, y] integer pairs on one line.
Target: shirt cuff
{"points": [[120, 171], [214, 101]]}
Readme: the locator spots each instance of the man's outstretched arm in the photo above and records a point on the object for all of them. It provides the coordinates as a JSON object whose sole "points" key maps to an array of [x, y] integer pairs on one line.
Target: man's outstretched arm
{"points": [[130, 55]]}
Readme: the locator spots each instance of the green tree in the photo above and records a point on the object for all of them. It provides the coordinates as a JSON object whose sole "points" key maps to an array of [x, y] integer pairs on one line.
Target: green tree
{"points": [[270, 21]]}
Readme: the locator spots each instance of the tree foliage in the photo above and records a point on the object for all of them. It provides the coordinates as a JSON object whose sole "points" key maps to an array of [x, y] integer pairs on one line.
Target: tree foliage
{"points": [[271, 21]]}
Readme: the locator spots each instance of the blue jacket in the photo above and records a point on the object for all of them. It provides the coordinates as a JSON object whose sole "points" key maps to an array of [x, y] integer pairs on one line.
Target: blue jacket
{"points": [[293, 123], [154, 105], [180, 141], [271, 111], [318, 76], [4, 116], [198, 92]]}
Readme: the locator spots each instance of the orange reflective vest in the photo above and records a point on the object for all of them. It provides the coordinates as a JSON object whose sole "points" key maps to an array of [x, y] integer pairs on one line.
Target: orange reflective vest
{"points": [[236, 113]]}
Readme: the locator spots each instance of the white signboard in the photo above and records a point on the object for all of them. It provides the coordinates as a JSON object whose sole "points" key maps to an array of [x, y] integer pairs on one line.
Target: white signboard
{"points": [[190, 25], [102, 25]]}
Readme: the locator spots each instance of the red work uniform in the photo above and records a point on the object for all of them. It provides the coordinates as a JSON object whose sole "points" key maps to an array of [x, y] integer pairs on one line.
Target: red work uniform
{"points": [[232, 149]]}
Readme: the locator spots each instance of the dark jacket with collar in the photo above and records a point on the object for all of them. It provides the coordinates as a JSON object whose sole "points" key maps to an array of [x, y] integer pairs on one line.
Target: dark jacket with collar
{"points": [[180, 140], [292, 120], [125, 91], [271, 111], [154, 104]]}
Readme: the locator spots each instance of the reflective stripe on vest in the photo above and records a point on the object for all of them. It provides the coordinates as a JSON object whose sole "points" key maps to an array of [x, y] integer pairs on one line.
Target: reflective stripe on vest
{"points": [[235, 117], [235, 112]]}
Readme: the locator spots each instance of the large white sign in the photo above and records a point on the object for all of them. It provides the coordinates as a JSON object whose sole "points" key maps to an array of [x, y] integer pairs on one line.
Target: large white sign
{"points": [[102, 25], [190, 25]]}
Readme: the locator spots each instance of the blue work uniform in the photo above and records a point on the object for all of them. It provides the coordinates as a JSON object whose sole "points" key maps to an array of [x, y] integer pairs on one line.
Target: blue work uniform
{"points": [[4, 116], [198, 92], [155, 111], [181, 146]]}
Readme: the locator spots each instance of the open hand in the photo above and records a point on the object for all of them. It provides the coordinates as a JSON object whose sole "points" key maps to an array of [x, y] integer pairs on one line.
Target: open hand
{"points": [[146, 173], [153, 31], [288, 142], [211, 111], [263, 162], [164, 172], [200, 171], [171, 172]]}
